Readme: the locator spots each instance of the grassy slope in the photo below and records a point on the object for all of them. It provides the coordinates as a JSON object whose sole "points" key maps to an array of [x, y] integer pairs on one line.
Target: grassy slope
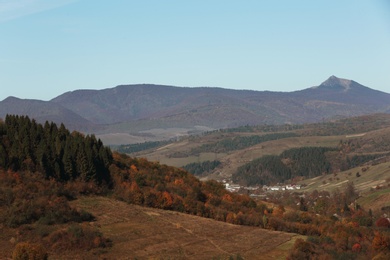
{"points": [[375, 175], [147, 233], [234, 159], [371, 132]]}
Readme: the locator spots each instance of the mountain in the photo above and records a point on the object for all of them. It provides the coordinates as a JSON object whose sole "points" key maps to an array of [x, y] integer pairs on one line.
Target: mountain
{"points": [[151, 102], [348, 92], [43, 111], [147, 108]]}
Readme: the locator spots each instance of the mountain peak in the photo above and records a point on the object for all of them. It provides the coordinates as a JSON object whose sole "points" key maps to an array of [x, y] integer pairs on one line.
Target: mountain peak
{"points": [[336, 83]]}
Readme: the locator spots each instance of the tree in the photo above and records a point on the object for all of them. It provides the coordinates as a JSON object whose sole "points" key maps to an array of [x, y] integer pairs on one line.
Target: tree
{"points": [[350, 192], [383, 222], [26, 250]]}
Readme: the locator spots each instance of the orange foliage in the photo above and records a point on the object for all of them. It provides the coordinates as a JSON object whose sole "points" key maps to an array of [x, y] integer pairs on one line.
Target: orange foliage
{"points": [[230, 218], [167, 200], [134, 186], [179, 182], [227, 197], [278, 211], [134, 168], [381, 241]]}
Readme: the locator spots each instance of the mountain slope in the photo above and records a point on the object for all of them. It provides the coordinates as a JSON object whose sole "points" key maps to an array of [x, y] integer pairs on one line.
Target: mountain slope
{"points": [[347, 91], [152, 233], [217, 107], [137, 108], [43, 111]]}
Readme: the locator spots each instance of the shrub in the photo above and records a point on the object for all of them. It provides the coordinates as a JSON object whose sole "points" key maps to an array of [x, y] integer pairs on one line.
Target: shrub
{"points": [[27, 251], [383, 222], [302, 250], [77, 236]]}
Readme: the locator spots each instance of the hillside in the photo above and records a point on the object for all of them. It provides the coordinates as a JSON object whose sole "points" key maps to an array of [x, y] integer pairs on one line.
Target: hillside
{"points": [[148, 233], [136, 113], [145, 233], [355, 138], [370, 180], [44, 209]]}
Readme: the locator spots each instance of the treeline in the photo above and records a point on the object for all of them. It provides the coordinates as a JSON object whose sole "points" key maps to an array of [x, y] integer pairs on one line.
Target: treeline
{"points": [[134, 148], [201, 167], [53, 151], [271, 169], [358, 160], [239, 142]]}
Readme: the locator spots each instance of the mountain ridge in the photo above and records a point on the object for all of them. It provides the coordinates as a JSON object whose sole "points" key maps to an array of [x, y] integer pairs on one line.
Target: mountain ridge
{"points": [[142, 107]]}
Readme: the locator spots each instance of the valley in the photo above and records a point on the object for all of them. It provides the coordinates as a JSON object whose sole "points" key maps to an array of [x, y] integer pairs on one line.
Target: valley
{"points": [[87, 200]]}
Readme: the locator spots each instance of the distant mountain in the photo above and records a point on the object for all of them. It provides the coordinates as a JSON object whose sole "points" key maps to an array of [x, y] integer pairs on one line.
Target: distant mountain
{"points": [[348, 92], [135, 108], [43, 111]]}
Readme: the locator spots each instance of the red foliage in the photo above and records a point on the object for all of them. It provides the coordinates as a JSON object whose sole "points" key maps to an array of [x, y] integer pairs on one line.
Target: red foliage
{"points": [[356, 247], [383, 222]]}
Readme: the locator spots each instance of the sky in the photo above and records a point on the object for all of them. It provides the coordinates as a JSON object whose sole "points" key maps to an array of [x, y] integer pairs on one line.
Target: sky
{"points": [[48, 47]]}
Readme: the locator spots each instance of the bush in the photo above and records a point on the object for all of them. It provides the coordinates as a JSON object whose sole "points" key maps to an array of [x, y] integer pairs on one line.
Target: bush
{"points": [[383, 222], [27, 251], [77, 236], [302, 250]]}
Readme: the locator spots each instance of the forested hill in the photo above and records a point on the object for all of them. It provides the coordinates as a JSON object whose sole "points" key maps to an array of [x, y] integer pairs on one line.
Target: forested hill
{"points": [[55, 152], [42, 167], [306, 162]]}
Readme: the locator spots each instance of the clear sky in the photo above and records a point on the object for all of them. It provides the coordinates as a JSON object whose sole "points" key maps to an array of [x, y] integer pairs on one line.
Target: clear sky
{"points": [[48, 47]]}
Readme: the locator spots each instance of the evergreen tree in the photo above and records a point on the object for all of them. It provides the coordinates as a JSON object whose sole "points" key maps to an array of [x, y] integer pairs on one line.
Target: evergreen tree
{"points": [[55, 152]]}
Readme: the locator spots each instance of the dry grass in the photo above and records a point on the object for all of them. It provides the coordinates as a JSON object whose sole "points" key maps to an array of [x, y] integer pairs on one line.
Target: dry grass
{"points": [[145, 233]]}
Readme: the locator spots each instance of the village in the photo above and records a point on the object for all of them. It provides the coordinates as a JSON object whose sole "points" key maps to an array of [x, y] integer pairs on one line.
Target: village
{"points": [[256, 190]]}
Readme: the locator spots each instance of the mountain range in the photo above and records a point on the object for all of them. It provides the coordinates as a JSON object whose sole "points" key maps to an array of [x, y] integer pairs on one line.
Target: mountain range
{"points": [[142, 112]]}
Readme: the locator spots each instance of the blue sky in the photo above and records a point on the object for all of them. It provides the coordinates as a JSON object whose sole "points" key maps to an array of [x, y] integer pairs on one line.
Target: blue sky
{"points": [[49, 47]]}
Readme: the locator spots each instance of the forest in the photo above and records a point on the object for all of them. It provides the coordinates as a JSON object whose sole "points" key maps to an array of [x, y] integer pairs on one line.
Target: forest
{"points": [[201, 167], [271, 169], [44, 167], [53, 151]]}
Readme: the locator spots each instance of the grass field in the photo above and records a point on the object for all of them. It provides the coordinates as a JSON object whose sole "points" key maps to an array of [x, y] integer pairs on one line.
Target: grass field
{"points": [[146, 233]]}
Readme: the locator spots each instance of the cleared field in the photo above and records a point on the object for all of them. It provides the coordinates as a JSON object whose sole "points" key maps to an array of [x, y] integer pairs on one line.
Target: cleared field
{"points": [[372, 184], [370, 178], [233, 159], [145, 233]]}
